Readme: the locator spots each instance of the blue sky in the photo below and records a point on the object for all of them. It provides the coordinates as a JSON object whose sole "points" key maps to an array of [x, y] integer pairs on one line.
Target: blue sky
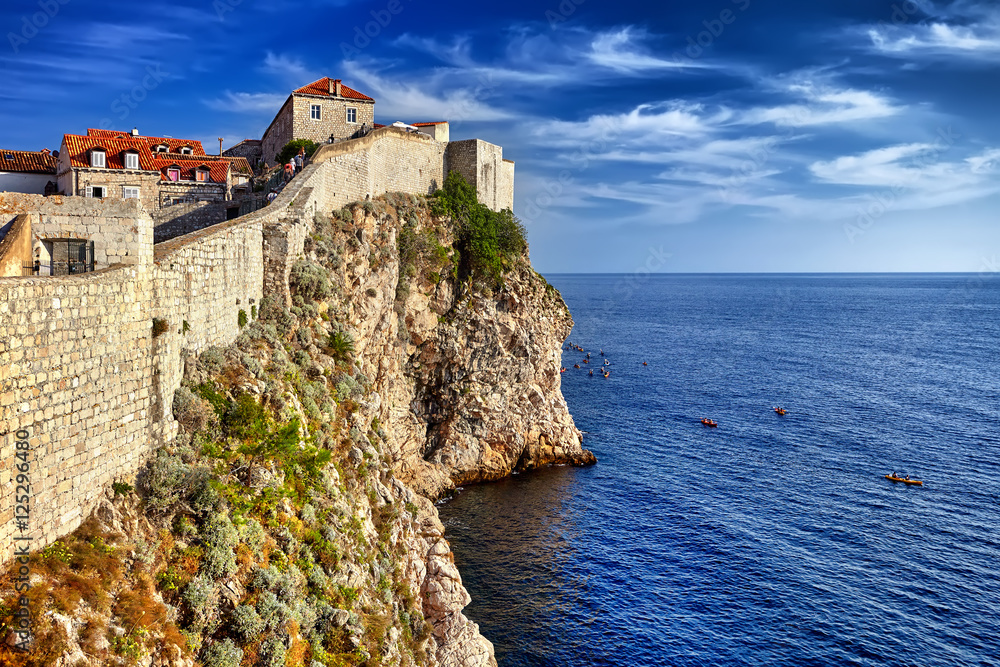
{"points": [[729, 135]]}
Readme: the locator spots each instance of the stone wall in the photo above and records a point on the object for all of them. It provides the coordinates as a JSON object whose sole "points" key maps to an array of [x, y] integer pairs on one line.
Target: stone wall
{"points": [[15, 245], [277, 134], [179, 219], [75, 373], [79, 367], [482, 165], [248, 148]]}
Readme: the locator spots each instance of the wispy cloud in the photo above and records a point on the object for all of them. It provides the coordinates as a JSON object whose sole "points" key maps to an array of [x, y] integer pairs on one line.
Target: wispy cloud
{"points": [[246, 102], [960, 29], [288, 69], [624, 51]]}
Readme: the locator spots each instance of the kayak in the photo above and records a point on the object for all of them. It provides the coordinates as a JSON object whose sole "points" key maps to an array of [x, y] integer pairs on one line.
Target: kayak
{"points": [[780, 411], [709, 422], [912, 482]]}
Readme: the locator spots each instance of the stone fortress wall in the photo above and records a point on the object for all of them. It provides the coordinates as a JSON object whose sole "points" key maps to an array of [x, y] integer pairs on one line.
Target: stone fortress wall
{"points": [[80, 369]]}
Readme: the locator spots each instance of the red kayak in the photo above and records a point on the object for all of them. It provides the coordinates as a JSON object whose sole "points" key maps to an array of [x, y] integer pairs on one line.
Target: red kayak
{"points": [[709, 422]]}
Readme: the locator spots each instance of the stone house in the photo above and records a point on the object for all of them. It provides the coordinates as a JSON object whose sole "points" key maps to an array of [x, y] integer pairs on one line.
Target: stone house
{"points": [[159, 171], [248, 148], [31, 172], [322, 110]]}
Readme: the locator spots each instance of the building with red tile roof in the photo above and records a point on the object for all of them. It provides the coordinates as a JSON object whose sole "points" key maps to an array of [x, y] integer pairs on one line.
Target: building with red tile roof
{"points": [[161, 171], [27, 171], [319, 111]]}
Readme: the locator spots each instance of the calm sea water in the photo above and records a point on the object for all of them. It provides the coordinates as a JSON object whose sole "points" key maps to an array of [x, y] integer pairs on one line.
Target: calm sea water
{"points": [[770, 540]]}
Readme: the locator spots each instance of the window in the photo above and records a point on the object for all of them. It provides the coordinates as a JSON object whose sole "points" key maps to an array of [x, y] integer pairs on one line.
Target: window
{"points": [[186, 150], [130, 192], [352, 115], [162, 148], [315, 112], [131, 160], [97, 158], [94, 191], [201, 175], [173, 174]]}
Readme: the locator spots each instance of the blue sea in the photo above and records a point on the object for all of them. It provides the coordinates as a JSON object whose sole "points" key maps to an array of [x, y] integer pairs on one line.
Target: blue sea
{"points": [[769, 540]]}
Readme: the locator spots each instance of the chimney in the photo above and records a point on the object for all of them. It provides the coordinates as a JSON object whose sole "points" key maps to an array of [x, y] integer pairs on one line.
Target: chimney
{"points": [[135, 132], [46, 151], [336, 85]]}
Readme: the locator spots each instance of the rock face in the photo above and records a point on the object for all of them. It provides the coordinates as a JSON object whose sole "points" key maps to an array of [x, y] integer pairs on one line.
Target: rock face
{"points": [[439, 380], [468, 378]]}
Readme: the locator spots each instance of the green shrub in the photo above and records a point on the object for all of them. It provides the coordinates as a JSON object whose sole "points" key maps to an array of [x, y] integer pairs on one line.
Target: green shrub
{"points": [[253, 534], [220, 537], [246, 419], [310, 280], [341, 346], [241, 319], [247, 622], [489, 241], [192, 412], [121, 488], [272, 653], [200, 596], [168, 480], [292, 148], [222, 654]]}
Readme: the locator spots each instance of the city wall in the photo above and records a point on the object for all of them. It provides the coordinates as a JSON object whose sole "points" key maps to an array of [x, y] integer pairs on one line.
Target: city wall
{"points": [[80, 368]]}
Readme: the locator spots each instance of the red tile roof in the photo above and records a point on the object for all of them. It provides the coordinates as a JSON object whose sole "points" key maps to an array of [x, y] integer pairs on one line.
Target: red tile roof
{"points": [[322, 87], [78, 149], [28, 162], [241, 165], [173, 145], [218, 169]]}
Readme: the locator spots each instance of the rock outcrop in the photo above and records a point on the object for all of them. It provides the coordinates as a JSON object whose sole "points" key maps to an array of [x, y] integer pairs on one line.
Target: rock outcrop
{"points": [[292, 521]]}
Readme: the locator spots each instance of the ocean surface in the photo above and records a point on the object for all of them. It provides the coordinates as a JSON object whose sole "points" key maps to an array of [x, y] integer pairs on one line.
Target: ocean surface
{"points": [[769, 540]]}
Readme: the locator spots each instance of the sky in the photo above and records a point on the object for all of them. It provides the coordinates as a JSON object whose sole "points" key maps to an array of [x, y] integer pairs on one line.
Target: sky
{"points": [[684, 136]]}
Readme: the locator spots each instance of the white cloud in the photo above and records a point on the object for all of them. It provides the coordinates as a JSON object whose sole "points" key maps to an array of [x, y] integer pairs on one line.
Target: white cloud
{"points": [[621, 50], [823, 103], [247, 102], [290, 70], [960, 29]]}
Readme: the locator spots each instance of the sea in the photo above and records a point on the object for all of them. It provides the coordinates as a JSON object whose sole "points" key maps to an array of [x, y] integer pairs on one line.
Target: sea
{"points": [[769, 540]]}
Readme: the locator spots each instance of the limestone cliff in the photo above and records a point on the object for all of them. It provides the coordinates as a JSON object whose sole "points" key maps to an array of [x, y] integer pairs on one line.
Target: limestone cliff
{"points": [[292, 522]]}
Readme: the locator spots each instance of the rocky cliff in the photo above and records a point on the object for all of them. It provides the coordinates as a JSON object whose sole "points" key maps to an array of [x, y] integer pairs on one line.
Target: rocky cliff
{"points": [[292, 521]]}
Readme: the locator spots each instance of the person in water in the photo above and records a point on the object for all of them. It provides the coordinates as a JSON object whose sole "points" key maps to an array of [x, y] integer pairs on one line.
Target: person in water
{"points": [[591, 371]]}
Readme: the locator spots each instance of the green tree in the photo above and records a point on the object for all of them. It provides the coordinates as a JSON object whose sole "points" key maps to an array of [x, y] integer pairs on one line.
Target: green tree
{"points": [[293, 147]]}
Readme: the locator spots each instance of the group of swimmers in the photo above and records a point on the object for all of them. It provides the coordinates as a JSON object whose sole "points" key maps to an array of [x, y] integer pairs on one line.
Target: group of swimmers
{"points": [[604, 370]]}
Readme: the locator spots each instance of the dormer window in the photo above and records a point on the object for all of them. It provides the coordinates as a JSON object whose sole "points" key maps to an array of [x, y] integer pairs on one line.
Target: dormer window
{"points": [[162, 148], [174, 174], [201, 175], [186, 150], [131, 160], [98, 158]]}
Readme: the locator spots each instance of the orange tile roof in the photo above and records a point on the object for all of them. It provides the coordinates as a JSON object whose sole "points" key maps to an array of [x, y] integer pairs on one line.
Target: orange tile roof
{"points": [[322, 87], [28, 162], [174, 145], [218, 170], [241, 165], [78, 148]]}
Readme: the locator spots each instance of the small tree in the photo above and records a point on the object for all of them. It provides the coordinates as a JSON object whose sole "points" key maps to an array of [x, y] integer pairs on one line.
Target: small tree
{"points": [[293, 147]]}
